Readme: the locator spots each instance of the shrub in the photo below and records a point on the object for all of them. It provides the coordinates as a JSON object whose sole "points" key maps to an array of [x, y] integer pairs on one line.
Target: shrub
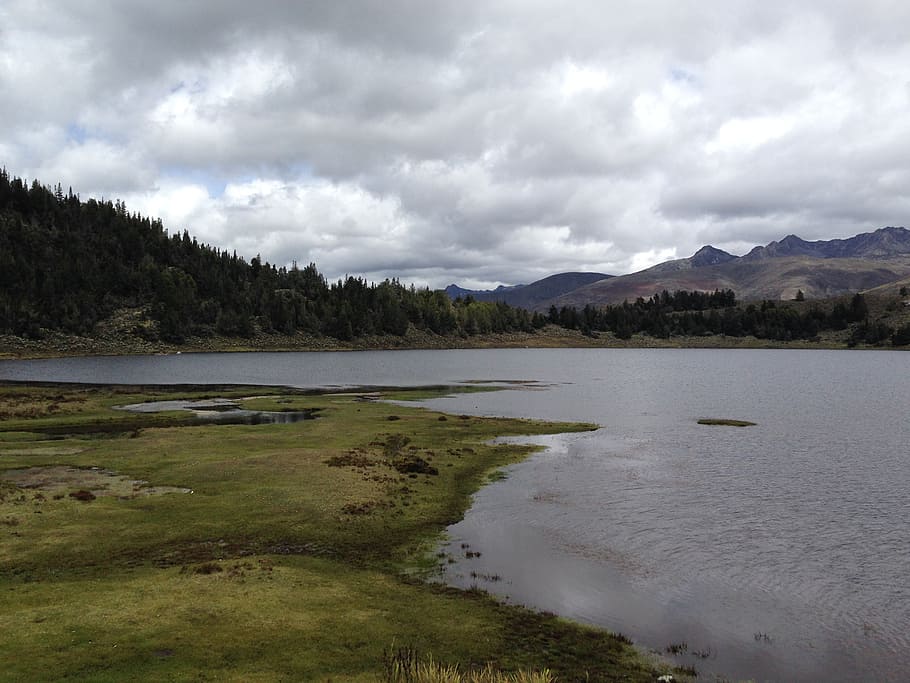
{"points": [[901, 336], [208, 568], [410, 463]]}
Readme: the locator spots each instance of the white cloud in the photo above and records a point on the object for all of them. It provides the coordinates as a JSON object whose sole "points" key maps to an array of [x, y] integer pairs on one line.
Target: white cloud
{"points": [[748, 134], [652, 257], [474, 142], [103, 169], [575, 79]]}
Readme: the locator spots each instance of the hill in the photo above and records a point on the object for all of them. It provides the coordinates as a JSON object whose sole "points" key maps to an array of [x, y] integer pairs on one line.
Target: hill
{"points": [[778, 278], [70, 266], [530, 296]]}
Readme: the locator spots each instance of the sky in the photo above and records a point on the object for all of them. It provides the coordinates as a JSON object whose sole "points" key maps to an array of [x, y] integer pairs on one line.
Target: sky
{"points": [[480, 143]]}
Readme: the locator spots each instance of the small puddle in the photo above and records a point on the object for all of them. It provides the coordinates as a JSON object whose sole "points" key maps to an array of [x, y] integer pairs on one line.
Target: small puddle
{"points": [[223, 411]]}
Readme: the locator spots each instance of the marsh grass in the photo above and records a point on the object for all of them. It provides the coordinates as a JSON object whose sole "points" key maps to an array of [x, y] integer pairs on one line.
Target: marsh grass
{"points": [[320, 564], [724, 422], [423, 393], [677, 648], [404, 665]]}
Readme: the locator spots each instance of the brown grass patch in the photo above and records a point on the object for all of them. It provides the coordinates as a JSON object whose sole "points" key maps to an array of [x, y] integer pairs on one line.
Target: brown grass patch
{"points": [[61, 480]]}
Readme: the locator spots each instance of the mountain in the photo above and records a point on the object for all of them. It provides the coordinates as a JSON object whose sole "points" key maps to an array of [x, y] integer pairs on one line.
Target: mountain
{"points": [[706, 256], [883, 243], [773, 278], [777, 270], [532, 295], [455, 292], [709, 256]]}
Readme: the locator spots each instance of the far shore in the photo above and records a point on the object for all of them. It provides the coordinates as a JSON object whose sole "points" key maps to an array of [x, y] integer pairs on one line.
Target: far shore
{"points": [[57, 345]]}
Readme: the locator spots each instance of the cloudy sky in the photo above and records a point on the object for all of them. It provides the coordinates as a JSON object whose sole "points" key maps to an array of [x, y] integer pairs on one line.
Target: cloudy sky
{"points": [[472, 142]]}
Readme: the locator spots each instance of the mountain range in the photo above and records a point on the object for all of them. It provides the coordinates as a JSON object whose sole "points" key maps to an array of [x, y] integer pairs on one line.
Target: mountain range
{"points": [[778, 270], [534, 295]]}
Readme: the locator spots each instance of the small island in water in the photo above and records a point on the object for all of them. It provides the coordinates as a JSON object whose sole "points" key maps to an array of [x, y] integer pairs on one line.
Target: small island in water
{"points": [[725, 422]]}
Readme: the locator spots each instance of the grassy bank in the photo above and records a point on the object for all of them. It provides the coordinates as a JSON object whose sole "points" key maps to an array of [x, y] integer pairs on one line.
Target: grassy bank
{"points": [[156, 549]]}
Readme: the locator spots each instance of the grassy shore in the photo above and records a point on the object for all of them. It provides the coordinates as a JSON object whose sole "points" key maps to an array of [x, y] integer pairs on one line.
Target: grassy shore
{"points": [[149, 548]]}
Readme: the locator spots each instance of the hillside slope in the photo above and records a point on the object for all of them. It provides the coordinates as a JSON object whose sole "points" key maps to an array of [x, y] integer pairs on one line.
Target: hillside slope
{"points": [[778, 270], [532, 295], [72, 266], [773, 278]]}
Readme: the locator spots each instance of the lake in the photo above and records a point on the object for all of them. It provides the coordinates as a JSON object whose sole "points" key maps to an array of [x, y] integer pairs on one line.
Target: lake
{"points": [[773, 552]]}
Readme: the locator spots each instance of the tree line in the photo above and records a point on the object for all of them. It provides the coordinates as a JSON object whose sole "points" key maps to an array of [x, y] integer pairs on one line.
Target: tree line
{"points": [[694, 314], [67, 264]]}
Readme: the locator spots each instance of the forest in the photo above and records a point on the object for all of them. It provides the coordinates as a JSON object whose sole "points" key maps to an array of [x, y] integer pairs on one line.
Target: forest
{"points": [[67, 264]]}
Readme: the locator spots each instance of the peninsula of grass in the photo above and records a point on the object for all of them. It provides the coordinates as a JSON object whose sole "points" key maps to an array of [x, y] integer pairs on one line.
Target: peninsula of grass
{"points": [[724, 422], [292, 552]]}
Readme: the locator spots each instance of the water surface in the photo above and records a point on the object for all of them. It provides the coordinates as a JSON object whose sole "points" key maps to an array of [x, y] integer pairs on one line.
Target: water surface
{"points": [[779, 551]]}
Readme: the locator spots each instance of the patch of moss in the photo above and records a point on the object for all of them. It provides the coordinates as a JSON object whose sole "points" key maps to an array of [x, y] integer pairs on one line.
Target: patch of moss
{"points": [[724, 422]]}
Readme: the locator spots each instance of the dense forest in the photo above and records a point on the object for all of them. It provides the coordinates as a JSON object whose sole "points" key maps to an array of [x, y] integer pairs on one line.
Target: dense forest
{"points": [[66, 264]]}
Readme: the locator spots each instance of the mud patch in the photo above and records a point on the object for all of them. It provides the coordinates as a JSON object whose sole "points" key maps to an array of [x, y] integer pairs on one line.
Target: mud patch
{"points": [[60, 480]]}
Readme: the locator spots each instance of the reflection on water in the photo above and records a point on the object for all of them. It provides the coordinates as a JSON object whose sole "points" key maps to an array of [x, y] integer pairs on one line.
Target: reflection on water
{"points": [[606, 531], [222, 411]]}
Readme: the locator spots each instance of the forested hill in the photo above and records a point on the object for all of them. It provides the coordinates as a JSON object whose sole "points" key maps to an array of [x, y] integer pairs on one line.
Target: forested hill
{"points": [[66, 264]]}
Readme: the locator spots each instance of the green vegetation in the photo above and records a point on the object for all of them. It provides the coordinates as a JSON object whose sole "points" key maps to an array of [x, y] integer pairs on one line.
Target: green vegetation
{"points": [[724, 422], [701, 314], [424, 393], [405, 666], [254, 553]]}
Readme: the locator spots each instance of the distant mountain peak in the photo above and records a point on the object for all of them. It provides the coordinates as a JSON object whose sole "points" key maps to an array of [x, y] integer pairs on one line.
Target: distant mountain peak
{"points": [[710, 256], [527, 296]]}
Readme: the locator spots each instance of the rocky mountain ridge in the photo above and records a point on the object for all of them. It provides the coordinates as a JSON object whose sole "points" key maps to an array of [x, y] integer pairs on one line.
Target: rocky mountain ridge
{"points": [[778, 270]]}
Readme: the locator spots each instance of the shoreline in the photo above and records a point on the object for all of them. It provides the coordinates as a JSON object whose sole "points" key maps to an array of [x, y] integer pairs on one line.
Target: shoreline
{"points": [[56, 345], [372, 531]]}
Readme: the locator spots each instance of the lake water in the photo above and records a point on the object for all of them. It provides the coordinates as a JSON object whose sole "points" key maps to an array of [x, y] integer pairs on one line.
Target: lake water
{"points": [[774, 552]]}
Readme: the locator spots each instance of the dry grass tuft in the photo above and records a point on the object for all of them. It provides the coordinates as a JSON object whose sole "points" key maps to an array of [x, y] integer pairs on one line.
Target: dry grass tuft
{"points": [[405, 666]]}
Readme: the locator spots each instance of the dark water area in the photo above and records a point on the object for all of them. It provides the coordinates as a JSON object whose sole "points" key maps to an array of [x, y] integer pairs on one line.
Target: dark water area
{"points": [[776, 552], [222, 411]]}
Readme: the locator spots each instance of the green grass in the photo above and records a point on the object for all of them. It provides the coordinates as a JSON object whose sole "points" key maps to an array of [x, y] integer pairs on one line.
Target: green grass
{"points": [[297, 556], [424, 393]]}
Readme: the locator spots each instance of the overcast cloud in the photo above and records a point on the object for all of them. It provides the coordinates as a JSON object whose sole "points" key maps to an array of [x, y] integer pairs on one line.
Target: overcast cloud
{"points": [[470, 142]]}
